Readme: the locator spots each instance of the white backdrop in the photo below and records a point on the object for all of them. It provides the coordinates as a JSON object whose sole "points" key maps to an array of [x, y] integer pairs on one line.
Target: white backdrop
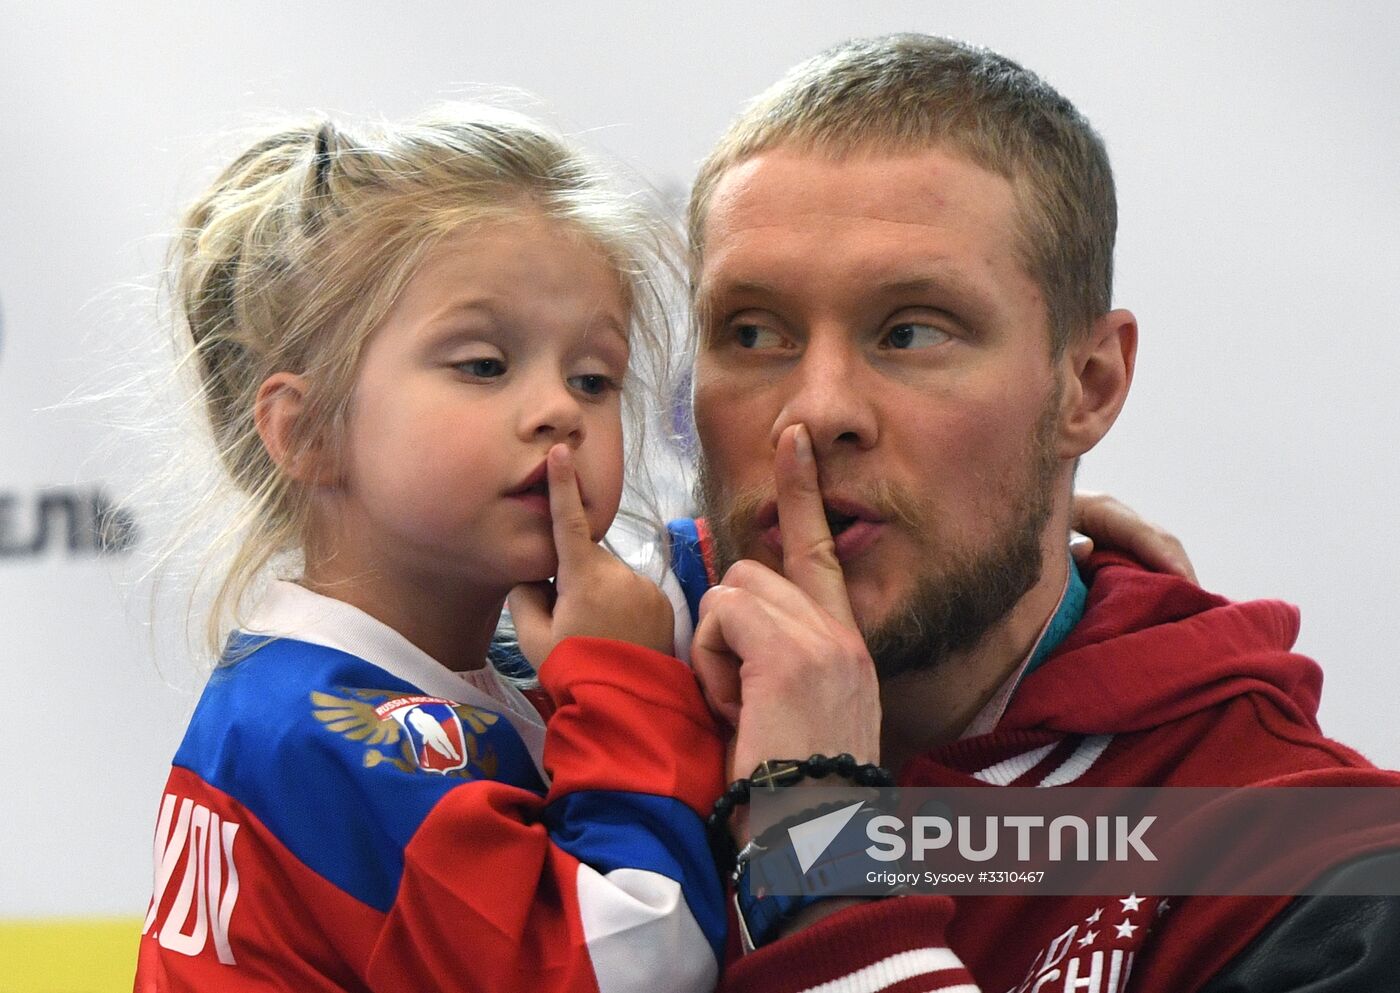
{"points": [[1256, 150]]}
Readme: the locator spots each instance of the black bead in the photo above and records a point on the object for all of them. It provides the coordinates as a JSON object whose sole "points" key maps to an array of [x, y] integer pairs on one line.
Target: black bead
{"points": [[846, 764], [819, 766]]}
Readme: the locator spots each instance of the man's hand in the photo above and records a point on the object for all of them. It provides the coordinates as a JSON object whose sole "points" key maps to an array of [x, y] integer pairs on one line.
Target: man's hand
{"points": [[594, 593], [779, 656], [1111, 524]]}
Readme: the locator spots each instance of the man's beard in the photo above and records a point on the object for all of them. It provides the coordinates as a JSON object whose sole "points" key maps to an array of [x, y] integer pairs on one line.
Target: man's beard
{"points": [[965, 592]]}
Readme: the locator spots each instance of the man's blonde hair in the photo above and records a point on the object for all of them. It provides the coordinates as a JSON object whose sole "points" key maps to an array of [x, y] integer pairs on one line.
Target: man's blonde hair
{"points": [[907, 92]]}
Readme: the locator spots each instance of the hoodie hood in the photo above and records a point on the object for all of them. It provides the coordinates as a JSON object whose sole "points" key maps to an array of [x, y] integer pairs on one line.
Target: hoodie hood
{"points": [[1153, 648]]}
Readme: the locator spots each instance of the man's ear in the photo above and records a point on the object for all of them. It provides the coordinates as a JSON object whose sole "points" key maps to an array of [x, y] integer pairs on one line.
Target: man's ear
{"points": [[277, 412], [1098, 371]]}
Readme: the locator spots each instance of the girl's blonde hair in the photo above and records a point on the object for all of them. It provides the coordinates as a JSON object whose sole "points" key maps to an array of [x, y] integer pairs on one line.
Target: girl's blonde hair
{"points": [[297, 252]]}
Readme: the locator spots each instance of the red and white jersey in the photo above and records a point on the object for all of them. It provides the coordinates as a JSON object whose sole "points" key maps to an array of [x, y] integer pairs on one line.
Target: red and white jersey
{"points": [[347, 814]]}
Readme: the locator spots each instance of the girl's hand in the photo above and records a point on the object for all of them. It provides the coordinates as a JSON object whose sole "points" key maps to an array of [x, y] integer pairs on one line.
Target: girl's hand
{"points": [[1111, 524], [594, 593]]}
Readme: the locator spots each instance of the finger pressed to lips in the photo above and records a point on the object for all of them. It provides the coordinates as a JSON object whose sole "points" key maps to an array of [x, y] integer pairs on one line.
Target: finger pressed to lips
{"points": [[811, 558], [838, 511], [846, 543], [850, 526], [535, 489]]}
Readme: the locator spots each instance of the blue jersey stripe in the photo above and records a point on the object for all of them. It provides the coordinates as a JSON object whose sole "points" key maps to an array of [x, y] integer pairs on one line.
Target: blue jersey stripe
{"points": [[343, 803], [612, 830], [688, 563]]}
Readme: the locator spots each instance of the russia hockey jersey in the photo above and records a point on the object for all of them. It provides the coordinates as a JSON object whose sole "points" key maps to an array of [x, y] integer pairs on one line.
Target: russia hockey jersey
{"points": [[346, 814]]}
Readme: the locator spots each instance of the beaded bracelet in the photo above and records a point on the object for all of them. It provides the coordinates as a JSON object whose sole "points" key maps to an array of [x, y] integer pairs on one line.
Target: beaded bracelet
{"points": [[773, 773]]}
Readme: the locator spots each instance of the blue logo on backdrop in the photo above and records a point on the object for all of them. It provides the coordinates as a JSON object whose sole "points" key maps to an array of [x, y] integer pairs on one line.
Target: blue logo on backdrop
{"points": [[79, 520]]}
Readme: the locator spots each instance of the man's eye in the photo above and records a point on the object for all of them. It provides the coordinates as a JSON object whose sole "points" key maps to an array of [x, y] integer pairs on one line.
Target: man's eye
{"points": [[483, 368], [756, 336], [592, 384], [913, 335]]}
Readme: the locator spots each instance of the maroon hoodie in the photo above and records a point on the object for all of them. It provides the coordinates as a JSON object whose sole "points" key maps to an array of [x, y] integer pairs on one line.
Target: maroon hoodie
{"points": [[1160, 684]]}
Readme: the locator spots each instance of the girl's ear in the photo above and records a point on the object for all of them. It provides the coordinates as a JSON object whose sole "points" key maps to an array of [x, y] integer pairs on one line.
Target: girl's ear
{"points": [[277, 411]]}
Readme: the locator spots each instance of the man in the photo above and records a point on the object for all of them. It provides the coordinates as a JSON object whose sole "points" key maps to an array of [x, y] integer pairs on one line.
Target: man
{"points": [[902, 269]]}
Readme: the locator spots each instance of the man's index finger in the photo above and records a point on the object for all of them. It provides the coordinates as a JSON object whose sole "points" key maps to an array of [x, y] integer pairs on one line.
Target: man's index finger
{"points": [[809, 551]]}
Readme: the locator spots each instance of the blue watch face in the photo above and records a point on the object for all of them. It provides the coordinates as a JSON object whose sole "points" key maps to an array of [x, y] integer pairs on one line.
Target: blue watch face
{"points": [[762, 912], [762, 870], [800, 860]]}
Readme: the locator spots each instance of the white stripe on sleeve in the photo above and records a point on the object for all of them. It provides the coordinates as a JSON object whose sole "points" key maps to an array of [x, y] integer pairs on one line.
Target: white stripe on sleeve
{"points": [[1080, 761], [641, 934], [1009, 770], [897, 968]]}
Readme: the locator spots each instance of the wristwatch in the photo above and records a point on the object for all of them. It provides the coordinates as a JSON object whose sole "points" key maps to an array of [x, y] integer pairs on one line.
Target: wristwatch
{"points": [[771, 887]]}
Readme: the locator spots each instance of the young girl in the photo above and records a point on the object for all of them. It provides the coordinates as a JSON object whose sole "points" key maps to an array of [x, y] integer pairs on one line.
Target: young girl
{"points": [[412, 348]]}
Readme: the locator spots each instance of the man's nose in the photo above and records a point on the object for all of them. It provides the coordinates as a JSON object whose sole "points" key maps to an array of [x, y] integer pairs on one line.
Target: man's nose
{"points": [[830, 393], [550, 410]]}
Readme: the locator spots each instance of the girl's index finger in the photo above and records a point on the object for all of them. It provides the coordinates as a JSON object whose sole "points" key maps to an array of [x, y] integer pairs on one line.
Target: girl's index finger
{"points": [[809, 552], [573, 537]]}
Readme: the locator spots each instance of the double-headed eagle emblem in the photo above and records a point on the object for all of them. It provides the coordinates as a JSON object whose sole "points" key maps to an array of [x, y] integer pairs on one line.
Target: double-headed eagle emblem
{"points": [[412, 732]]}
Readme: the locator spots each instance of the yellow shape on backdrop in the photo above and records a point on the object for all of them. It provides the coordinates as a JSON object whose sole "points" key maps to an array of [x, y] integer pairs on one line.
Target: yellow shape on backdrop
{"points": [[68, 955]]}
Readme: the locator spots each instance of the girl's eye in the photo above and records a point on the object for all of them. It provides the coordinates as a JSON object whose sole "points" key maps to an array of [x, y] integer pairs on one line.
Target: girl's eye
{"points": [[911, 334], [756, 336], [592, 384], [483, 368]]}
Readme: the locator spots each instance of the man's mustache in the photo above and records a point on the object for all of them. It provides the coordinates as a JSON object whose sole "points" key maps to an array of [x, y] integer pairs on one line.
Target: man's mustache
{"points": [[889, 502]]}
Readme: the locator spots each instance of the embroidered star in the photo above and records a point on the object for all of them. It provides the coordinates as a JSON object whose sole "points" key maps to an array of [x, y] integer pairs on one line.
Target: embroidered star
{"points": [[1094, 917], [1131, 903], [1125, 930], [1163, 907], [1088, 938]]}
